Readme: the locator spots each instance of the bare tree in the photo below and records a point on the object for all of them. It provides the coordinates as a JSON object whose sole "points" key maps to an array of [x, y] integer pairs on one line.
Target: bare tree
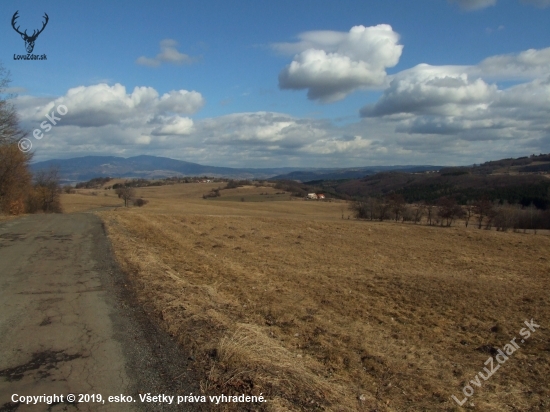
{"points": [[126, 193], [15, 177], [430, 210], [396, 204], [418, 213], [449, 210], [372, 207], [506, 217], [47, 190], [469, 208], [407, 213], [359, 210], [482, 208], [490, 218], [10, 132], [383, 209], [533, 215]]}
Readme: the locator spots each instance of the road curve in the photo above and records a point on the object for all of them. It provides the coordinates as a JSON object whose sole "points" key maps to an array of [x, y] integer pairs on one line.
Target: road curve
{"points": [[69, 323]]}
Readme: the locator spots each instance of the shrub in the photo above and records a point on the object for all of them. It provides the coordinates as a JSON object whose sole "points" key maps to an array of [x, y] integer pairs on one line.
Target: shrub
{"points": [[140, 202], [94, 183], [17, 207], [213, 193], [15, 177], [233, 184], [45, 193]]}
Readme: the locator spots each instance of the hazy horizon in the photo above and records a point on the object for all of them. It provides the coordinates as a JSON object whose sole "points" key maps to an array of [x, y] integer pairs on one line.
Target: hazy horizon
{"points": [[34, 161]]}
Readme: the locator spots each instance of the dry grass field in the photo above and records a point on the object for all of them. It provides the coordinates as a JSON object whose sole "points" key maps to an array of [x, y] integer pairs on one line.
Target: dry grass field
{"points": [[85, 200], [317, 312]]}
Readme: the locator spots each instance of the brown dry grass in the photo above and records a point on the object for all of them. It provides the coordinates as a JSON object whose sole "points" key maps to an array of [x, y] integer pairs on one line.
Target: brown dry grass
{"points": [[4, 218], [83, 200], [320, 313]]}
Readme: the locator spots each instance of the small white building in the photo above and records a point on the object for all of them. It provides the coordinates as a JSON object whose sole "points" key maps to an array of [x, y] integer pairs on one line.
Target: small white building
{"points": [[311, 196]]}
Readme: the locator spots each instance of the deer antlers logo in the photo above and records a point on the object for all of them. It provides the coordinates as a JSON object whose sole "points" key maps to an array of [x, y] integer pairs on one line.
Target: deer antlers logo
{"points": [[29, 40]]}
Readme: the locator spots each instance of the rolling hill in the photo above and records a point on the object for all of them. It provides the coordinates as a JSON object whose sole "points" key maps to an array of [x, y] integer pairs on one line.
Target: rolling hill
{"points": [[152, 167], [148, 167], [525, 181], [349, 173]]}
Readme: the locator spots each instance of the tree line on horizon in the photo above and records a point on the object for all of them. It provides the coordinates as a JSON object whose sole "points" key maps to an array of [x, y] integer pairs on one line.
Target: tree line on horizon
{"points": [[445, 211], [471, 207]]}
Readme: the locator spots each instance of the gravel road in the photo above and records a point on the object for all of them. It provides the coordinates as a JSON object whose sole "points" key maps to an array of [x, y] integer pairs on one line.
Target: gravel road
{"points": [[69, 323]]}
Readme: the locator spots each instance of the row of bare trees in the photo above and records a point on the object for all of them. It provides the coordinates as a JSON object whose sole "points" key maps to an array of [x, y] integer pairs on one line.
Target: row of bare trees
{"points": [[392, 207], [20, 191], [506, 217], [446, 211]]}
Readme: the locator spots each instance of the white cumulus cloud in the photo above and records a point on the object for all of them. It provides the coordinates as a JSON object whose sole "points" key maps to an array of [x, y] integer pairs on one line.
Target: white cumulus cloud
{"points": [[279, 131], [101, 104], [425, 89], [104, 112], [181, 101], [175, 125], [528, 64], [474, 4], [331, 64], [168, 54], [459, 101]]}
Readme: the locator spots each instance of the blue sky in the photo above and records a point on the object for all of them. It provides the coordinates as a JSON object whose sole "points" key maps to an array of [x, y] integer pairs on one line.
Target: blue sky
{"points": [[286, 83]]}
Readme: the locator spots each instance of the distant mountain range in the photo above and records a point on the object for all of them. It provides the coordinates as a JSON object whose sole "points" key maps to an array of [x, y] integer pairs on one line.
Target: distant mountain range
{"points": [[152, 167], [148, 167]]}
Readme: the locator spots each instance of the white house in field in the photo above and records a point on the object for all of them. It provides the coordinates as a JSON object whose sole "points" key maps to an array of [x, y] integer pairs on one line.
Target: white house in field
{"points": [[312, 196]]}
